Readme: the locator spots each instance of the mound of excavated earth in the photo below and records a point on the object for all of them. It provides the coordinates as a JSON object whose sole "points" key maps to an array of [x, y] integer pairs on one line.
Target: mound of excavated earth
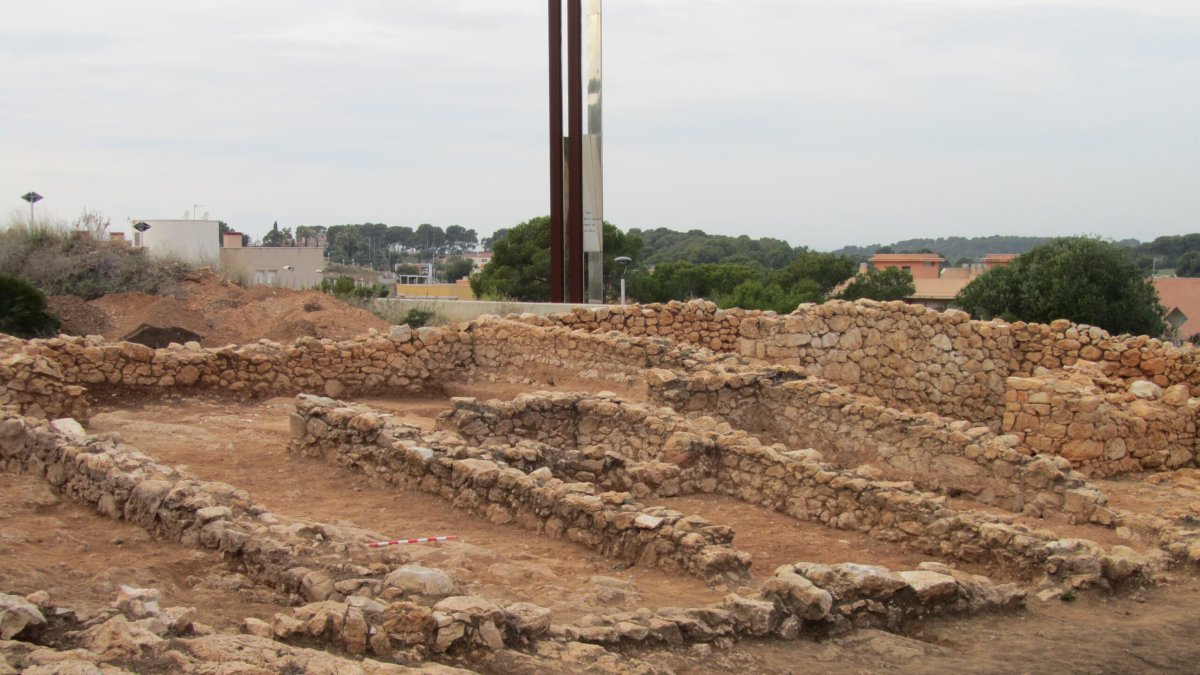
{"points": [[218, 310]]}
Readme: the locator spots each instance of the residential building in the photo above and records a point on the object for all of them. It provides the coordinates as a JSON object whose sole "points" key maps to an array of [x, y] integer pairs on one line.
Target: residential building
{"points": [[921, 265], [296, 267]]}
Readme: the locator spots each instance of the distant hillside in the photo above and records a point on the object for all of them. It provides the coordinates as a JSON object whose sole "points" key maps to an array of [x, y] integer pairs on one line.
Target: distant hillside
{"points": [[695, 246], [952, 249]]}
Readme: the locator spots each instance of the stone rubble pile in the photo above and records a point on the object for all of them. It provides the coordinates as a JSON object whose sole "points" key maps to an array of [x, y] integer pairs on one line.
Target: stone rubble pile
{"points": [[134, 634]]}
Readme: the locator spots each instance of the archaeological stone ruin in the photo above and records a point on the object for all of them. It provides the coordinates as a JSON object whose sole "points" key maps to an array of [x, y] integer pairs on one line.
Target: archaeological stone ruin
{"points": [[990, 452]]}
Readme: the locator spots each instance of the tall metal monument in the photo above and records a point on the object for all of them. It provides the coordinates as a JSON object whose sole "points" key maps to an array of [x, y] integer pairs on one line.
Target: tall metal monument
{"points": [[576, 167]]}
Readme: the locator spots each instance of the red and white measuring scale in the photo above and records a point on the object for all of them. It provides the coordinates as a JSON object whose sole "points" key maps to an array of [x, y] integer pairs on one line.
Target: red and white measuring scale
{"points": [[419, 540]]}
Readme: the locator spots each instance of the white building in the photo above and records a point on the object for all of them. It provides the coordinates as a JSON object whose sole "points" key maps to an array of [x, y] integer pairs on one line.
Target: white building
{"points": [[195, 241]]}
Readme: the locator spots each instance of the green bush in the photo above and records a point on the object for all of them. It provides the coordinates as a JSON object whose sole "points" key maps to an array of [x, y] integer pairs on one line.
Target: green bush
{"points": [[1080, 279], [417, 317], [23, 310], [345, 288]]}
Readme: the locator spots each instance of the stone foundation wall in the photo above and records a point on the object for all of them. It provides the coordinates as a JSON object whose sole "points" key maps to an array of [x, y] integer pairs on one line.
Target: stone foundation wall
{"points": [[609, 522], [795, 482], [34, 384], [600, 439], [1102, 433], [697, 322], [122, 483], [914, 358], [950, 456], [535, 342], [48, 374]]}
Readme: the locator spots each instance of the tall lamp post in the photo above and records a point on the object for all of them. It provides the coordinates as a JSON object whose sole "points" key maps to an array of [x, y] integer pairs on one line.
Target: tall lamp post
{"points": [[623, 261], [32, 198]]}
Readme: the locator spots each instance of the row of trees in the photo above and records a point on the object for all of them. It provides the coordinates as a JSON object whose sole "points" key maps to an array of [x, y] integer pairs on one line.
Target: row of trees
{"points": [[377, 245], [520, 270], [1082, 279]]}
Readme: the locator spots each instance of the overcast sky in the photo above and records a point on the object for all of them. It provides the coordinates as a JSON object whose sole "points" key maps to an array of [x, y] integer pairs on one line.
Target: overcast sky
{"points": [[824, 123]]}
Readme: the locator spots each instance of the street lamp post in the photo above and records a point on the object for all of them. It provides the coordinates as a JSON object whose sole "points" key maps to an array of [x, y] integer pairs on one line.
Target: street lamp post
{"points": [[623, 261], [32, 198]]}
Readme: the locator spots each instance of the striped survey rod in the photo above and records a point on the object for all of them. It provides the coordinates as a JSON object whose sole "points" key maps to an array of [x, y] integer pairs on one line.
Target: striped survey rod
{"points": [[418, 540]]}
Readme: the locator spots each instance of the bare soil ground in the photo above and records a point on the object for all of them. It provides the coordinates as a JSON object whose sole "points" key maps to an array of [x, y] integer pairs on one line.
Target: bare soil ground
{"points": [[81, 558], [244, 444], [218, 310]]}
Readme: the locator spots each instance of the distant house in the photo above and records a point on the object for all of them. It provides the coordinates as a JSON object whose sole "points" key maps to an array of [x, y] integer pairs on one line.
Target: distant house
{"points": [[936, 287], [479, 260], [283, 266], [1181, 298], [921, 265]]}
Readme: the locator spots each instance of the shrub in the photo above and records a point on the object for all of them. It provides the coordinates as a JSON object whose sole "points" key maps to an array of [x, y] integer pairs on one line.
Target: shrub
{"points": [[417, 317], [23, 310], [53, 261]]}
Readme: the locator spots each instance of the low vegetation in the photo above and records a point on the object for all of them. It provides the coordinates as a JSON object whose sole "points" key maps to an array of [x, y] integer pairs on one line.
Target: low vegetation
{"points": [[62, 261]]}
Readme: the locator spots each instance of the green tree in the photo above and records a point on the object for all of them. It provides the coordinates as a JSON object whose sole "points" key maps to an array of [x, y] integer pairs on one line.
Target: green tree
{"points": [[825, 269], [278, 237], [891, 283], [1080, 279], [457, 267], [520, 265], [23, 311], [755, 294], [1188, 264]]}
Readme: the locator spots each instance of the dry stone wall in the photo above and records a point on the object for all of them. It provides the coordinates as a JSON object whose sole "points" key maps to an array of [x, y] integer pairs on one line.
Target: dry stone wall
{"points": [[797, 483], [609, 522], [574, 436], [954, 457], [918, 359], [1071, 414], [118, 481], [534, 342], [35, 385], [403, 360], [697, 322]]}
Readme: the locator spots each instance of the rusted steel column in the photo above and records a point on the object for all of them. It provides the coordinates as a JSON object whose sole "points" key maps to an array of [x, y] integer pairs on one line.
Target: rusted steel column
{"points": [[575, 153], [557, 279]]}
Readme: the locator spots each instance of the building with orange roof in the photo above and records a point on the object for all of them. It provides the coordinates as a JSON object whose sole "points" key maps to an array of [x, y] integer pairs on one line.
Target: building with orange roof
{"points": [[1181, 298]]}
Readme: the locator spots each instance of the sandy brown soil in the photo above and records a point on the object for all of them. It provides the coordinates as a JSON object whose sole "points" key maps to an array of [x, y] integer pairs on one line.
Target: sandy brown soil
{"points": [[220, 311], [774, 539], [1152, 632], [81, 559]]}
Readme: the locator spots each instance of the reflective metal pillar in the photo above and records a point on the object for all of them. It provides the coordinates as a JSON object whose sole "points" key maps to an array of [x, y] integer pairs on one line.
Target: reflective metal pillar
{"points": [[593, 187]]}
